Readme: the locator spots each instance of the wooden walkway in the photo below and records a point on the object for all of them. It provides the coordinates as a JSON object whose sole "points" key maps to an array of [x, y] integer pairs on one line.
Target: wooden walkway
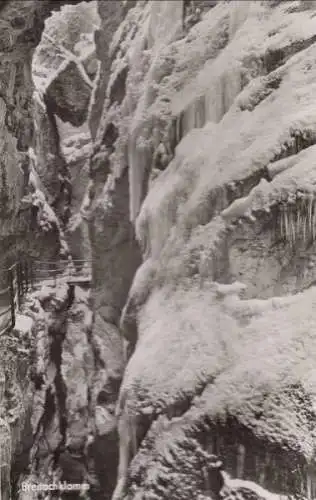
{"points": [[27, 276]]}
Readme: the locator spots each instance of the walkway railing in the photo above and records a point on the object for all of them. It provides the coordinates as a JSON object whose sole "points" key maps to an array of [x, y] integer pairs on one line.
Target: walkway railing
{"points": [[29, 275]]}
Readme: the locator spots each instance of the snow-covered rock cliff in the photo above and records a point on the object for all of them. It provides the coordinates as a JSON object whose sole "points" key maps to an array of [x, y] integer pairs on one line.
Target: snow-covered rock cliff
{"points": [[211, 109], [193, 190]]}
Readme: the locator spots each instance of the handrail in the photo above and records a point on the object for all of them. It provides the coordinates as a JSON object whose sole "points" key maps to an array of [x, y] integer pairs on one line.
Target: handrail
{"points": [[23, 276], [62, 261]]}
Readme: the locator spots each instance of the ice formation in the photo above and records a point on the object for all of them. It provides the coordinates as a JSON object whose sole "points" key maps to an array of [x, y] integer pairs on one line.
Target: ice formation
{"points": [[237, 97]]}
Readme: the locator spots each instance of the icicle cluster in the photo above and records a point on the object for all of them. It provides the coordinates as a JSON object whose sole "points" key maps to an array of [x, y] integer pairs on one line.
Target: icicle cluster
{"points": [[298, 218]]}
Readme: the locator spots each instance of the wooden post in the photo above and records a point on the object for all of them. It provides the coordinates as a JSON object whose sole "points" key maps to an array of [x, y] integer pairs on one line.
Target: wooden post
{"points": [[11, 285]]}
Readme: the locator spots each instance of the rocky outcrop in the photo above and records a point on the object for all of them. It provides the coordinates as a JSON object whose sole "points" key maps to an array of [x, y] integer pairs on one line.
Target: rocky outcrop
{"points": [[64, 423]]}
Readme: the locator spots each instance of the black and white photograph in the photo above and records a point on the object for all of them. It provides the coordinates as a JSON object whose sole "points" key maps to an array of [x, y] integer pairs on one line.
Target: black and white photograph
{"points": [[157, 250]]}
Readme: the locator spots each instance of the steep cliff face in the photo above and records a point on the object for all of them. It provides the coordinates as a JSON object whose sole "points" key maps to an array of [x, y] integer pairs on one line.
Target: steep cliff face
{"points": [[21, 27], [211, 109], [200, 180], [59, 425]]}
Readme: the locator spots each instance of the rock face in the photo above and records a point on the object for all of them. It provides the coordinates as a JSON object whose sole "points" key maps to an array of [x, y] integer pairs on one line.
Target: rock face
{"points": [[199, 214], [68, 95], [58, 391], [21, 27]]}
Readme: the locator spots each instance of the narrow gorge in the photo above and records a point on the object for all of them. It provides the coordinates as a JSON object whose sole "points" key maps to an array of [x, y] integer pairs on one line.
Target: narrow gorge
{"points": [[163, 152]]}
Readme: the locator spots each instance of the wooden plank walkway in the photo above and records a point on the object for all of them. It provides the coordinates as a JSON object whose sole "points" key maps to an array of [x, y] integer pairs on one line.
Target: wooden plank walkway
{"points": [[23, 277]]}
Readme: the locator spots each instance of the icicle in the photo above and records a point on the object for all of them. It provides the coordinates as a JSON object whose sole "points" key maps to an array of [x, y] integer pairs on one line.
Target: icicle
{"points": [[309, 487], [309, 214], [314, 223], [286, 223], [304, 228], [289, 221], [241, 461], [206, 480], [292, 228], [282, 222], [298, 221]]}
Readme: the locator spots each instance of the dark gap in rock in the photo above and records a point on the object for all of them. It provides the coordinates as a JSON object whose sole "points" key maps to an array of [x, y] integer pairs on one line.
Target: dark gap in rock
{"points": [[270, 85], [173, 135], [17, 22], [103, 453], [110, 135], [274, 58], [118, 87], [58, 333], [127, 6], [63, 197], [243, 187], [60, 390], [4, 4], [108, 394], [73, 471], [54, 128], [49, 410], [69, 102], [146, 177], [99, 168], [145, 44], [143, 427]]}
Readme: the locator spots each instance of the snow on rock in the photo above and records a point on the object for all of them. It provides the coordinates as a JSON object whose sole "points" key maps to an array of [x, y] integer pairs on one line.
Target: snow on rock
{"points": [[235, 96], [233, 485], [46, 218], [64, 383], [23, 323]]}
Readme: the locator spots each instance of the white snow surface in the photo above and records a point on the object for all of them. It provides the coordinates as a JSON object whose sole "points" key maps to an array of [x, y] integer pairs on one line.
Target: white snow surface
{"points": [[233, 126]]}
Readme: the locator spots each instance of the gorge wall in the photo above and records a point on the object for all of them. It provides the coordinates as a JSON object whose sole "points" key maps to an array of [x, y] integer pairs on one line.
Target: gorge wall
{"points": [[211, 109], [196, 202]]}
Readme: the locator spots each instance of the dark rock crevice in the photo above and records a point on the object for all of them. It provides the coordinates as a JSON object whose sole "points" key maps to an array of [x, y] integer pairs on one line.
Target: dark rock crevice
{"points": [[58, 181], [298, 141], [275, 58], [222, 197]]}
